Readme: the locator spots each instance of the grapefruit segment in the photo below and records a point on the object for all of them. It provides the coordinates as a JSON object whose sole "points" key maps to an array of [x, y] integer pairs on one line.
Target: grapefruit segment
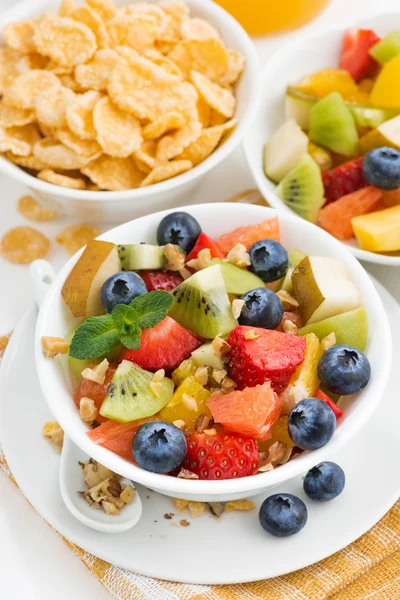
{"points": [[117, 437], [95, 391], [250, 235]]}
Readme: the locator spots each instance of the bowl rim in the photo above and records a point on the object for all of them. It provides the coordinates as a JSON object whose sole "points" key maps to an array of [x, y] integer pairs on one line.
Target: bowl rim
{"points": [[220, 154], [250, 484], [272, 65]]}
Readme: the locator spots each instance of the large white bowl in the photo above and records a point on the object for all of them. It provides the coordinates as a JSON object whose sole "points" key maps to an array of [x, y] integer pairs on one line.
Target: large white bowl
{"points": [[55, 319], [120, 206], [302, 57]]}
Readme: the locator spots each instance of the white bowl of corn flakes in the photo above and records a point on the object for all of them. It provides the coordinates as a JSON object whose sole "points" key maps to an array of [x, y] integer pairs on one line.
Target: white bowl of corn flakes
{"points": [[113, 109]]}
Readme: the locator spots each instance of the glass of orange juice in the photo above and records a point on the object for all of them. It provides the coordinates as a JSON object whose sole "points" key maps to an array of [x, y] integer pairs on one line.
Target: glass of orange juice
{"points": [[264, 16]]}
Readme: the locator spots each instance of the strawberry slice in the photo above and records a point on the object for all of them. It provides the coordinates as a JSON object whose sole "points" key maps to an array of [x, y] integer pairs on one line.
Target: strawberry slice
{"points": [[117, 437], [158, 280], [344, 180], [355, 57], [273, 356], [336, 409], [203, 242], [164, 346]]}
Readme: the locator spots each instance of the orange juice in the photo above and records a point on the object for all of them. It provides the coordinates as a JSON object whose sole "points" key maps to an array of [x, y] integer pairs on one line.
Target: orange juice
{"points": [[264, 16]]}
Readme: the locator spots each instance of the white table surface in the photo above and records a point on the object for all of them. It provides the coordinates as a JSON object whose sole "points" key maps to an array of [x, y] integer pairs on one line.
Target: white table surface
{"points": [[34, 562]]}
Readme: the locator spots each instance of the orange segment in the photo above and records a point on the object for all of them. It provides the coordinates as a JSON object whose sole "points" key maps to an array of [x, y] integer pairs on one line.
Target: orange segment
{"points": [[279, 433], [250, 235]]}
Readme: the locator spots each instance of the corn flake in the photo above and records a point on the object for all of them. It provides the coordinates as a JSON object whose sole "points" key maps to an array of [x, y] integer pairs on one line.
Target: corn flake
{"points": [[219, 98], [19, 140], [163, 61], [19, 36], [57, 156], [216, 118], [149, 9], [204, 112], [176, 12], [23, 90], [236, 64], [145, 156], [65, 41], [105, 8], [30, 208], [201, 148], [74, 237], [74, 183], [80, 115], [114, 174], [51, 105], [28, 162], [166, 122], [208, 57], [67, 7], [22, 245], [92, 19], [12, 64], [198, 29], [139, 31], [118, 133], [164, 171], [173, 144], [88, 148], [95, 74], [12, 116]]}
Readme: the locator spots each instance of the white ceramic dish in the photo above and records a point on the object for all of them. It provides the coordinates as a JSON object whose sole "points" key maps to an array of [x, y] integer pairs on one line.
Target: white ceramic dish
{"points": [[55, 319], [302, 57], [153, 546], [118, 207]]}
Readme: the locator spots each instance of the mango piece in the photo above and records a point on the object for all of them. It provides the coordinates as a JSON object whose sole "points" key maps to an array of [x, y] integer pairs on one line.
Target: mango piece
{"points": [[386, 91], [326, 81], [387, 134], [81, 290], [378, 231]]}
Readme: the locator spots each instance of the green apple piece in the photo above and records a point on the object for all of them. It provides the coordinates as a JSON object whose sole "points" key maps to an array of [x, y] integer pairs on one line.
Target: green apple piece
{"points": [[302, 189], [295, 257], [323, 289], [387, 134], [206, 357], [387, 48], [350, 328], [332, 126], [237, 280], [370, 116], [283, 150]]}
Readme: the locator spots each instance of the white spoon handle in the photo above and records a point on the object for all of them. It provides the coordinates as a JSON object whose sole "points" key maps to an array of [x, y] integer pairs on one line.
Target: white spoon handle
{"points": [[42, 276]]}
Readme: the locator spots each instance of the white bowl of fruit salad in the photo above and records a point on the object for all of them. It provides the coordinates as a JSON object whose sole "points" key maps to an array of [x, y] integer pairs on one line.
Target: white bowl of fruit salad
{"points": [[220, 398], [324, 143]]}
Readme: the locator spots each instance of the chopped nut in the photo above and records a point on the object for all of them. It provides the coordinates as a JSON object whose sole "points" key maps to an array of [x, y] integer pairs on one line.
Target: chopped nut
{"points": [[189, 402], [109, 508], [328, 341], [276, 452], [4, 339], [201, 375], [96, 492], [98, 373], [176, 258], [239, 256], [180, 503], [243, 505], [251, 335], [184, 523], [156, 387], [159, 375], [196, 508], [112, 487], [103, 472], [185, 273], [117, 501], [87, 410], [216, 508], [286, 456], [202, 261], [237, 306], [287, 300], [228, 384], [92, 477], [220, 346], [215, 393], [210, 432], [289, 327], [202, 423], [219, 375], [179, 424], [53, 431], [266, 467], [127, 494], [53, 346], [186, 474]]}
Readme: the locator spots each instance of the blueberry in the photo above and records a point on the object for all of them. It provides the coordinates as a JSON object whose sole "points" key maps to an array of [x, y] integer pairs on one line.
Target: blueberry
{"points": [[121, 288], [283, 515], [178, 228], [269, 260], [344, 370], [381, 168], [159, 447], [311, 423], [324, 482], [262, 308]]}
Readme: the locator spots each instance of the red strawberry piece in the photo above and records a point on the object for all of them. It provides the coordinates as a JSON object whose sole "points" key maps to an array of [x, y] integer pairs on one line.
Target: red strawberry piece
{"points": [[203, 242], [223, 456], [158, 280], [273, 356], [344, 180], [338, 411], [164, 346], [355, 57]]}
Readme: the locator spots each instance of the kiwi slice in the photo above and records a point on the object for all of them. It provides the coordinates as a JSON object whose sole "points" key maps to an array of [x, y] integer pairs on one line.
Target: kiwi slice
{"points": [[332, 126], [295, 257], [130, 395], [237, 280], [387, 48], [201, 304], [302, 189], [137, 257]]}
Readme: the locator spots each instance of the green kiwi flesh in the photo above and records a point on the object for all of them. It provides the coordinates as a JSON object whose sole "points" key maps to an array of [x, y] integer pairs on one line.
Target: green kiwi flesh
{"points": [[237, 280], [130, 396], [332, 126], [201, 304], [302, 189]]}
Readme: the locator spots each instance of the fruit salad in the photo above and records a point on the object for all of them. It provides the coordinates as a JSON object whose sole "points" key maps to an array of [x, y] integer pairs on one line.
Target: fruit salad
{"points": [[336, 158], [211, 359]]}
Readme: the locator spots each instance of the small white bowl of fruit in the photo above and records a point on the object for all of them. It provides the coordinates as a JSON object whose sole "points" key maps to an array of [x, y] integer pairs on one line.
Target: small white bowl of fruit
{"points": [[325, 141], [193, 346]]}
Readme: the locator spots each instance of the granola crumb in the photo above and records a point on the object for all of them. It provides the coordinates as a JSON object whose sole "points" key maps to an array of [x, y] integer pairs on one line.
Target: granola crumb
{"points": [[97, 373], [175, 258], [87, 410], [289, 327], [242, 505], [237, 307], [251, 335], [287, 300], [220, 346], [184, 523], [328, 341], [54, 433], [53, 346]]}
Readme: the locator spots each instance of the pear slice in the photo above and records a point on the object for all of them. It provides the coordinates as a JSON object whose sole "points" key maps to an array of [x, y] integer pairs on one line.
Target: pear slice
{"points": [[323, 289], [350, 328], [387, 134], [205, 357], [81, 290], [295, 257], [283, 150]]}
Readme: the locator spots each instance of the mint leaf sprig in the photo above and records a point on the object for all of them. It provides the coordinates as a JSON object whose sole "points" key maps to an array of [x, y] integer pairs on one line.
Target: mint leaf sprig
{"points": [[97, 336]]}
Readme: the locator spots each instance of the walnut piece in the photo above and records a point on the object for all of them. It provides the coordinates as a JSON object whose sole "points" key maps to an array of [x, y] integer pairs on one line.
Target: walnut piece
{"points": [[54, 433], [202, 423], [189, 402], [202, 261], [237, 307], [219, 375], [328, 341], [186, 474], [238, 256], [175, 258], [53, 346], [243, 505], [201, 375], [105, 489], [289, 327], [289, 303], [220, 346], [251, 335], [97, 373], [87, 410], [127, 494], [228, 384], [109, 508]]}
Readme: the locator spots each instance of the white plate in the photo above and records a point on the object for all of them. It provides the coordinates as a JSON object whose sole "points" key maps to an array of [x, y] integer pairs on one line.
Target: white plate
{"points": [[287, 66], [162, 548]]}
